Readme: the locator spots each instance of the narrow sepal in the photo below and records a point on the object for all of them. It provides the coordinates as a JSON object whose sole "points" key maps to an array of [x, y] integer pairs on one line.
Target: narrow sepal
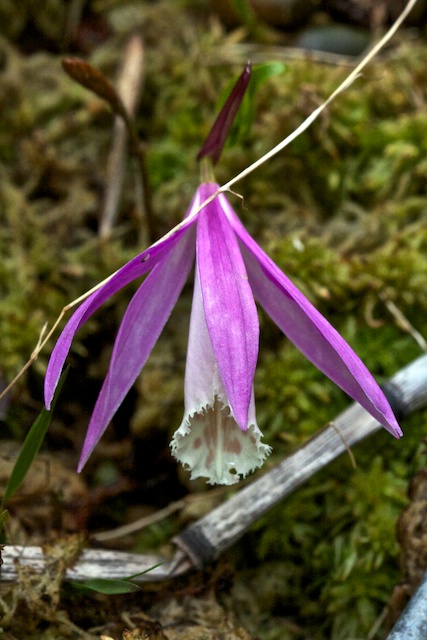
{"points": [[135, 268], [311, 333], [140, 328], [214, 143]]}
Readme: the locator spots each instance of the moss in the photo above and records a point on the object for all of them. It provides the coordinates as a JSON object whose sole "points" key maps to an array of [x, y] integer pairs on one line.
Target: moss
{"points": [[336, 536], [342, 211]]}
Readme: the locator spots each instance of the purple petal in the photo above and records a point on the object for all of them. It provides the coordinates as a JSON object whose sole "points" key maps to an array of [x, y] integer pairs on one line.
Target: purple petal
{"points": [[140, 328], [137, 267], [229, 305], [309, 330]]}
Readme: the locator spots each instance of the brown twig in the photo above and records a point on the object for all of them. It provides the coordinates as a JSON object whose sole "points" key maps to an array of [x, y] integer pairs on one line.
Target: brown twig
{"points": [[211, 535], [139, 524], [403, 322], [161, 514]]}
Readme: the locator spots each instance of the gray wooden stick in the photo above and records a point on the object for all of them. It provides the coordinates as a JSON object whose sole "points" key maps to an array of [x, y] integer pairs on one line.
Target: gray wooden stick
{"points": [[207, 538], [412, 624]]}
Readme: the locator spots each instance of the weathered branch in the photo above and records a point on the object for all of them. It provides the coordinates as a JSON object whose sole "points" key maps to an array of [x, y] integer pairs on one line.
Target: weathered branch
{"points": [[207, 538]]}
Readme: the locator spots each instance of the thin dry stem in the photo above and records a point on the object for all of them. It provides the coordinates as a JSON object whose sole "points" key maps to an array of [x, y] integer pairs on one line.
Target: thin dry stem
{"points": [[346, 445], [404, 324], [141, 523], [157, 516], [225, 187]]}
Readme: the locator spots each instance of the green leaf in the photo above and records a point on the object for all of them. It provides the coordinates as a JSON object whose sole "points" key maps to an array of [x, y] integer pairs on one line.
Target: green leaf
{"points": [[107, 587], [262, 72], [32, 444], [244, 12], [113, 587], [141, 573]]}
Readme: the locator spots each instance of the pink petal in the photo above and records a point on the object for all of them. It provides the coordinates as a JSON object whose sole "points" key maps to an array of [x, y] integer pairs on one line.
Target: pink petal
{"points": [[309, 330], [209, 441], [229, 305], [135, 268], [139, 330]]}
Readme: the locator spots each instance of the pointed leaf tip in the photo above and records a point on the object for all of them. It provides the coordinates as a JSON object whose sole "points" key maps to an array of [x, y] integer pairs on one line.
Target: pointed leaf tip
{"points": [[217, 136]]}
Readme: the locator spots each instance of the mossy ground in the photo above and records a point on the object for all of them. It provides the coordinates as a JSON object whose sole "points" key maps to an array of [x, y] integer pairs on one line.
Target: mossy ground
{"points": [[342, 210]]}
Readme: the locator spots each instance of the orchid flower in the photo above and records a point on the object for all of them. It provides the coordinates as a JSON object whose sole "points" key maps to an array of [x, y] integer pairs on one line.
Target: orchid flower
{"points": [[218, 438]]}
